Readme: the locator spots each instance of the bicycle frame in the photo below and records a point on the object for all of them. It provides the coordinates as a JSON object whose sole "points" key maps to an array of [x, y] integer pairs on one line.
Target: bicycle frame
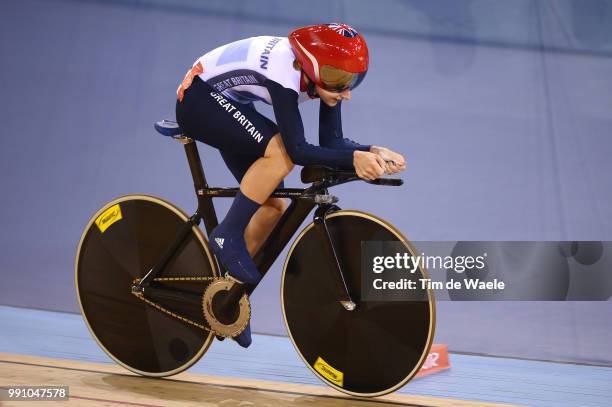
{"points": [[183, 301], [302, 203]]}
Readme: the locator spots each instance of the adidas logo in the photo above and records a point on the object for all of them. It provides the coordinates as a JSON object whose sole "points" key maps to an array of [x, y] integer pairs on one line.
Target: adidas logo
{"points": [[219, 241]]}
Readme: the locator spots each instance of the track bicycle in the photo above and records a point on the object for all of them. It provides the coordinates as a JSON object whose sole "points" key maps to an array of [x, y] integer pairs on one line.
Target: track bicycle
{"points": [[154, 297]]}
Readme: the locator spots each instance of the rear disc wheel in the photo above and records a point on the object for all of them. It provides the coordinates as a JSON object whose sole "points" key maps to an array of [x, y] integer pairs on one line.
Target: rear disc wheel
{"points": [[121, 243]]}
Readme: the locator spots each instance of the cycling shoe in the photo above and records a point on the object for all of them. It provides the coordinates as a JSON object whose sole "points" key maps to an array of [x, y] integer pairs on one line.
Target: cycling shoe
{"points": [[244, 339], [234, 257]]}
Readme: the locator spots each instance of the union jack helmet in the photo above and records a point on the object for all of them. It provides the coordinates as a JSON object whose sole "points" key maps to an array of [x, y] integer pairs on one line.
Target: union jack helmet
{"points": [[333, 56]]}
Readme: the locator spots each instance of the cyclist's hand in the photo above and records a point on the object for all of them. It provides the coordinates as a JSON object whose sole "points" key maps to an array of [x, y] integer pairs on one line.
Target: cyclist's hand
{"points": [[368, 165], [395, 162]]}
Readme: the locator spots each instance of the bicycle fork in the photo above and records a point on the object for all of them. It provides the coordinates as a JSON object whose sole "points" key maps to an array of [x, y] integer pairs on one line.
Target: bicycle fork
{"points": [[320, 220]]}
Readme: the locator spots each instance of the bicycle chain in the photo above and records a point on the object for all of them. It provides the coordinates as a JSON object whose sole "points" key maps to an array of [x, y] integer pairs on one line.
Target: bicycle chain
{"points": [[167, 311]]}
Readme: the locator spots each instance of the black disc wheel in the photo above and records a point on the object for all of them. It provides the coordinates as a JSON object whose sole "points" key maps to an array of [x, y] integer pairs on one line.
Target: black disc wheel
{"points": [[371, 350], [154, 334]]}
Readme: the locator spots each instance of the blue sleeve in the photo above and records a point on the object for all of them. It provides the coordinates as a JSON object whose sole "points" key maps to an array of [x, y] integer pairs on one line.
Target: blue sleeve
{"points": [[330, 129], [289, 121]]}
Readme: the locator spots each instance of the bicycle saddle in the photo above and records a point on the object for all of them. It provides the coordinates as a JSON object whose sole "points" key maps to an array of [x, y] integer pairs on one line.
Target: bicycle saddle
{"points": [[168, 128]]}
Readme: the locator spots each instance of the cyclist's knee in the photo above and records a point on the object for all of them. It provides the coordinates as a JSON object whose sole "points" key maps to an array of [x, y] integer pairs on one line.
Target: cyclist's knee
{"points": [[278, 204]]}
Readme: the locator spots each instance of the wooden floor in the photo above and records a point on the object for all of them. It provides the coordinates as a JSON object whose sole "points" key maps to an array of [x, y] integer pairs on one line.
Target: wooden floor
{"points": [[43, 347], [97, 384]]}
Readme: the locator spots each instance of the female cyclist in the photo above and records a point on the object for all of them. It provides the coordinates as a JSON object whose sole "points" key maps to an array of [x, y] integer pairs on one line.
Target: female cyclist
{"points": [[215, 106]]}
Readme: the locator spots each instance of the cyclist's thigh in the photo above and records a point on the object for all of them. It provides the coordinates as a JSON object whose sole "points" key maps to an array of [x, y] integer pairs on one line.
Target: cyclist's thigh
{"points": [[238, 164], [209, 117]]}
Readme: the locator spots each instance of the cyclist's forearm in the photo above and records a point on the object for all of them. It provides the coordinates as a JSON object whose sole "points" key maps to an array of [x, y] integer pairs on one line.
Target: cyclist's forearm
{"points": [[346, 144]]}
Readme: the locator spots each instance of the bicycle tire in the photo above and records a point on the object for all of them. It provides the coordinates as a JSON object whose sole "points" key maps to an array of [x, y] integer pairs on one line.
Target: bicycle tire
{"points": [[120, 243], [370, 351]]}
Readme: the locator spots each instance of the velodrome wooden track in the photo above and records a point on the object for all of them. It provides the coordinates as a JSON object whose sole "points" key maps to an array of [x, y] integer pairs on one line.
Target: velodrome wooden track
{"points": [[97, 384], [61, 351]]}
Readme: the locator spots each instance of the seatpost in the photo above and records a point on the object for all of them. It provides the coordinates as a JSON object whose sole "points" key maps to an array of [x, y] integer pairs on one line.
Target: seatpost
{"points": [[206, 209]]}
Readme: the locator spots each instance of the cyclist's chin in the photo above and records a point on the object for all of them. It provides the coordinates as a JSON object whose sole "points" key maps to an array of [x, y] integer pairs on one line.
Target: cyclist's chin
{"points": [[330, 102]]}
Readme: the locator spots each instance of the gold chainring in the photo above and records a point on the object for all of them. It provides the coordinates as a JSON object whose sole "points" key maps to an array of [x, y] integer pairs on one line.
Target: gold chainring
{"points": [[226, 330]]}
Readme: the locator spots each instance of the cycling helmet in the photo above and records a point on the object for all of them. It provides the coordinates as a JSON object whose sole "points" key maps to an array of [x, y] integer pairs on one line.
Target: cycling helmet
{"points": [[333, 56]]}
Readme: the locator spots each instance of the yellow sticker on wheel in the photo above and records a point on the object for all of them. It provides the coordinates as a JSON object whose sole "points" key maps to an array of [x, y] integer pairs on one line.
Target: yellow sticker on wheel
{"points": [[327, 371], [108, 217]]}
